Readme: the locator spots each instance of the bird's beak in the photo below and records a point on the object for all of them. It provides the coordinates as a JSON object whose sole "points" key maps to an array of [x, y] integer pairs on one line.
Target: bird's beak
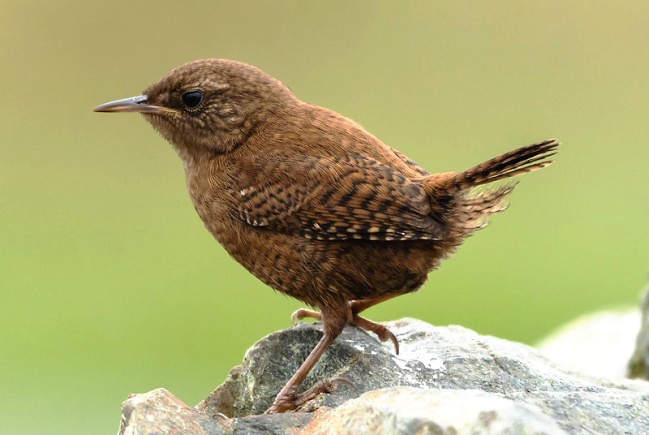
{"points": [[133, 104]]}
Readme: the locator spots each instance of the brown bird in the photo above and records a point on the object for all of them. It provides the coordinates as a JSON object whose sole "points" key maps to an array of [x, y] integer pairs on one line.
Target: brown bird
{"points": [[311, 203]]}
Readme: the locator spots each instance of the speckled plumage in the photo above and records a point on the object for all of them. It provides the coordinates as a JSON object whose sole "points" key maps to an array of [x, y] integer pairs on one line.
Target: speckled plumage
{"points": [[311, 203]]}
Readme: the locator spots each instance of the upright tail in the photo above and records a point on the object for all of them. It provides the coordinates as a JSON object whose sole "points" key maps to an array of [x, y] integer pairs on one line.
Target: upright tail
{"points": [[464, 211], [520, 161]]}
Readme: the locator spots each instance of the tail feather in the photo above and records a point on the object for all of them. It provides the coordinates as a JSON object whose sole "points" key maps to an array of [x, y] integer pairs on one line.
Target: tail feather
{"points": [[471, 213], [464, 210], [517, 162]]}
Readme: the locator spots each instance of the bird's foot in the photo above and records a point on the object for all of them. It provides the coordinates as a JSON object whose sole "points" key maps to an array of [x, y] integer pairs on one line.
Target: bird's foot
{"points": [[303, 313], [381, 331], [290, 400]]}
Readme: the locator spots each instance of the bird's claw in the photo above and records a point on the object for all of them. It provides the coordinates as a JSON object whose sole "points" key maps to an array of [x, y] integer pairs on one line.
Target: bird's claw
{"points": [[303, 313], [383, 333], [388, 335], [291, 400]]}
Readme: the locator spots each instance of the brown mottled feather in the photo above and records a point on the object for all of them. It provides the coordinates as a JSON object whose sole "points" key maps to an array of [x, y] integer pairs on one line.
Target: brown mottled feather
{"points": [[351, 197], [517, 162]]}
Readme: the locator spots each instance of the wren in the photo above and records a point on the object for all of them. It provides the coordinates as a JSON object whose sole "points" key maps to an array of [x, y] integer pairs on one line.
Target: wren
{"points": [[311, 203]]}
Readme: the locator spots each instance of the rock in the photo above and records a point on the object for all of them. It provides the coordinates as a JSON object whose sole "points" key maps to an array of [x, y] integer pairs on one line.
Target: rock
{"points": [[446, 380], [159, 411], [598, 344], [409, 410], [639, 363]]}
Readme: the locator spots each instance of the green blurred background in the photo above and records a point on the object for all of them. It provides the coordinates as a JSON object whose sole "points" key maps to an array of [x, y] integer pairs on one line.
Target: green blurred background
{"points": [[111, 285]]}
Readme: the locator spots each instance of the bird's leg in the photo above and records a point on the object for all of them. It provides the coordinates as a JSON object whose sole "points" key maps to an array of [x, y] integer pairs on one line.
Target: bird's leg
{"points": [[360, 305], [381, 331], [303, 313], [334, 320], [356, 307]]}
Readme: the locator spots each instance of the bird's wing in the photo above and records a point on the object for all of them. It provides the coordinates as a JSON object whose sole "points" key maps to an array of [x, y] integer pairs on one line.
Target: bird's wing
{"points": [[411, 164], [351, 197]]}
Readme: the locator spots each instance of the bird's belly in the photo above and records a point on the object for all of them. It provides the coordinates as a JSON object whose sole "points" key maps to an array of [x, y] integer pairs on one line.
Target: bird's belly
{"points": [[324, 273]]}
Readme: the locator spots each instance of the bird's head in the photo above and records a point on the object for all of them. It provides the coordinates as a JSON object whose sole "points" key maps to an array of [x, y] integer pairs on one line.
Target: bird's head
{"points": [[208, 106]]}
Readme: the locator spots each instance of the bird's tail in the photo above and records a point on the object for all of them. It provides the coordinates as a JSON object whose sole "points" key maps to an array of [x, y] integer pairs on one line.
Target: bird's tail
{"points": [[465, 211], [520, 161]]}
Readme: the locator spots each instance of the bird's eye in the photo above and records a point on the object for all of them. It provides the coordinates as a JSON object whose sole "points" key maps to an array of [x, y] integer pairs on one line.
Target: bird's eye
{"points": [[192, 99]]}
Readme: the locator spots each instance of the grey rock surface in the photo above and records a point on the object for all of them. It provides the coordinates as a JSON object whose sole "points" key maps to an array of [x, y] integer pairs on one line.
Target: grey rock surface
{"points": [[409, 410], [448, 379], [161, 412]]}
